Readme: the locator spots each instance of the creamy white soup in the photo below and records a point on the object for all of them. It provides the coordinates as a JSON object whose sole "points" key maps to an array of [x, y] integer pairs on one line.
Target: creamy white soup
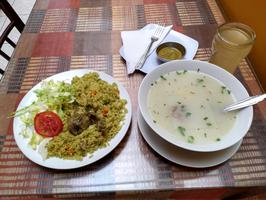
{"points": [[189, 105]]}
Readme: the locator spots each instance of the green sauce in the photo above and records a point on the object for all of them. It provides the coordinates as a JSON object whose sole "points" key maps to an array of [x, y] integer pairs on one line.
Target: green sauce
{"points": [[170, 53]]}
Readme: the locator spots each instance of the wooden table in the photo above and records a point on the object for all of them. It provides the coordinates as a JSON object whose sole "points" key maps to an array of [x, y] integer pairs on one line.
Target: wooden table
{"points": [[63, 35]]}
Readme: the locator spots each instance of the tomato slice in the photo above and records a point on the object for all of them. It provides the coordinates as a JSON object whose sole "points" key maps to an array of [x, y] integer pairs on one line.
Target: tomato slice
{"points": [[48, 124]]}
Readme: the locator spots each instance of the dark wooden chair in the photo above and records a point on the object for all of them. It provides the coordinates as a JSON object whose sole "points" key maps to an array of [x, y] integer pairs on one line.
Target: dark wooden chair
{"points": [[15, 22]]}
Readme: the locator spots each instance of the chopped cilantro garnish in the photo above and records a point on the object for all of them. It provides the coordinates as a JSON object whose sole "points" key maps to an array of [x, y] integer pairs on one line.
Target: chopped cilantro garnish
{"points": [[225, 90], [183, 108], [188, 114], [162, 77], [200, 80], [181, 130], [190, 139]]}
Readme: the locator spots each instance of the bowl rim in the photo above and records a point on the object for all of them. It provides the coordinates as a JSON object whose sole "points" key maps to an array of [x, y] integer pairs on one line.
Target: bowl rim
{"points": [[245, 116]]}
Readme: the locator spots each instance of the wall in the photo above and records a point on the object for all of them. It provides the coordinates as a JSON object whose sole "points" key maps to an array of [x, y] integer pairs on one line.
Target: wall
{"points": [[252, 13]]}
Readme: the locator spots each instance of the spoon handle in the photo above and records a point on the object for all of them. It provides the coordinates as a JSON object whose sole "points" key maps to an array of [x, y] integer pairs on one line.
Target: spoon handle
{"points": [[245, 102]]}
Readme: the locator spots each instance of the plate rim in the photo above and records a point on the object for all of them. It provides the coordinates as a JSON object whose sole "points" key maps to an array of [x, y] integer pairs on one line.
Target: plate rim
{"points": [[232, 150], [87, 160]]}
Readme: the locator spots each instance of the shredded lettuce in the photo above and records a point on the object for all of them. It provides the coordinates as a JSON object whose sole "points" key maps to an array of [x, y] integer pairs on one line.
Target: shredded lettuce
{"points": [[35, 140], [26, 132], [54, 95], [51, 96]]}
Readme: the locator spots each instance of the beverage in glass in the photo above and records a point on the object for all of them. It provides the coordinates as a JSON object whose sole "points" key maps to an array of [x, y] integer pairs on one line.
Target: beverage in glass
{"points": [[231, 43]]}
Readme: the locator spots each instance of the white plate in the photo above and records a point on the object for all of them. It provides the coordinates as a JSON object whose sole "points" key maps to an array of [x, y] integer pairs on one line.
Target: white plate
{"points": [[244, 116], [189, 43], [57, 163], [181, 156]]}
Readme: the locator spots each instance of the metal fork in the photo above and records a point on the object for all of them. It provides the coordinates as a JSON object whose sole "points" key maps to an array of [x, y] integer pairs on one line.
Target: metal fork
{"points": [[156, 35]]}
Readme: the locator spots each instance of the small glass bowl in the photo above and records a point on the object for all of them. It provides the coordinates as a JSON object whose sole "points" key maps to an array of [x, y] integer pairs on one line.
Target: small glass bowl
{"points": [[170, 51]]}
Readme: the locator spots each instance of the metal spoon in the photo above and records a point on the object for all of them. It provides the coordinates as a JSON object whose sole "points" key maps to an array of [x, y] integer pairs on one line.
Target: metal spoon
{"points": [[245, 102]]}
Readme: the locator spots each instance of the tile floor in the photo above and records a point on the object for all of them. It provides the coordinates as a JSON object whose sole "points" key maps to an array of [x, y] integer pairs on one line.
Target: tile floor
{"points": [[23, 8]]}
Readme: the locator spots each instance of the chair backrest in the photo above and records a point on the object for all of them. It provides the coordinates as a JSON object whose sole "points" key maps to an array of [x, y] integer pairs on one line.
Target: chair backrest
{"points": [[15, 21]]}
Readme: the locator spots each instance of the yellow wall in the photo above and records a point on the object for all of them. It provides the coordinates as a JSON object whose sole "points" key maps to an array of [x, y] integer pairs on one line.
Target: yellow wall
{"points": [[252, 13]]}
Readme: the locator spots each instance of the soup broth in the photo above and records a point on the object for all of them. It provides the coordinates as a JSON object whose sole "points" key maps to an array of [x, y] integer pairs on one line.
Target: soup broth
{"points": [[189, 105]]}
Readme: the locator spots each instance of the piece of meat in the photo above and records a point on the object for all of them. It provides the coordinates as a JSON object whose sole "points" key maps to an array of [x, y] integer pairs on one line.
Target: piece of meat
{"points": [[176, 113], [101, 125], [78, 123]]}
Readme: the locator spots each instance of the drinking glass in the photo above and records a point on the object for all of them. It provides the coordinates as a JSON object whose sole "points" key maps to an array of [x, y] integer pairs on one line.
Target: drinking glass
{"points": [[231, 43]]}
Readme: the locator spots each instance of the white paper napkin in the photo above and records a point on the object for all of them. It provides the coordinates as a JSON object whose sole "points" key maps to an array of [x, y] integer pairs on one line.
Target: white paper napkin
{"points": [[136, 42]]}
